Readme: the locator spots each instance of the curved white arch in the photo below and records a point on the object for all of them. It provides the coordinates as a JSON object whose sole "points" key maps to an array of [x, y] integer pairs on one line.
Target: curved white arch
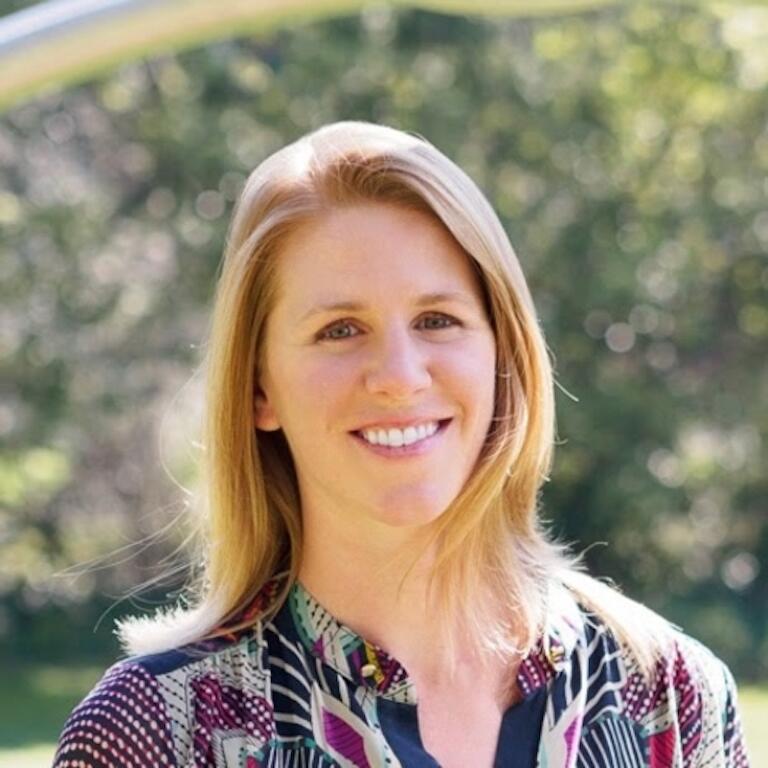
{"points": [[59, 42]]}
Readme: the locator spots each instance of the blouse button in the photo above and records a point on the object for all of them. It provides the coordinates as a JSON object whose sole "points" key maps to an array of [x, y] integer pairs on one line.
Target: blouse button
{"points": [[368, 670], [556, 654]]}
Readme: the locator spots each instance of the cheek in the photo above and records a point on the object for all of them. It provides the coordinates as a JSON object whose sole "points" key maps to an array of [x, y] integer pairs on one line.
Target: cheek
{"points": [[313, 388], [314, 402], [473, 373]]}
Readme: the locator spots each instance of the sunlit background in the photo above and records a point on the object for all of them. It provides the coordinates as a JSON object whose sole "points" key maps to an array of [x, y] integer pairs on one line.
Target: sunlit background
{"points": [[626, 150]]}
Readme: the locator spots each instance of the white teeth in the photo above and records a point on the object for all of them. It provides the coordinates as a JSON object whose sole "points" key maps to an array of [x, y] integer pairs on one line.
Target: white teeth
{"points": [[397, 437]]}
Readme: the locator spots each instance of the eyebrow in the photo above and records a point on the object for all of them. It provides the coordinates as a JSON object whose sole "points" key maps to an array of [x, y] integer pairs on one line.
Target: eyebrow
{"points": [[355, 306]]}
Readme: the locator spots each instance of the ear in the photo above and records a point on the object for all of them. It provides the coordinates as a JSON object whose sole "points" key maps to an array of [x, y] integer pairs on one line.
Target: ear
{"points": [[264, 416]]}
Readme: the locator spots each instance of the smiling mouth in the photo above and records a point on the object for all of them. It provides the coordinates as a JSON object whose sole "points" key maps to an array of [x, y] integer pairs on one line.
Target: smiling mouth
{"points": [[395, 439]]}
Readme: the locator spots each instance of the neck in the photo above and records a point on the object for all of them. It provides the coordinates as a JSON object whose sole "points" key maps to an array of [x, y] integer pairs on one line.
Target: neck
{"points": [[356, 573]]}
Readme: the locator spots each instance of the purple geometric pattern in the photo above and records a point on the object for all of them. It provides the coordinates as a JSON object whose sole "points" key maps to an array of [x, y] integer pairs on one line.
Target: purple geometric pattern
{"points": [[302, 689], [344, 739], [220, 708]]}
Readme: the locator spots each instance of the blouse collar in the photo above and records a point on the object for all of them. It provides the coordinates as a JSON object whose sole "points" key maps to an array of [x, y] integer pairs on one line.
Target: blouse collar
{"points": [[342, 649], [370, 666]]}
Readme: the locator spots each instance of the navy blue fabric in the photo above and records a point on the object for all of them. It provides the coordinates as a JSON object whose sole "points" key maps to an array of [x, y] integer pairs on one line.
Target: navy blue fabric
{"points": [[520, 730], [518, 736], [400, 725]]}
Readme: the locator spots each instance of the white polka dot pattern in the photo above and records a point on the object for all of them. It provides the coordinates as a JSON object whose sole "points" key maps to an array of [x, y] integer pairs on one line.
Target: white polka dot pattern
{"points": [[121, 724], [303, 690]]}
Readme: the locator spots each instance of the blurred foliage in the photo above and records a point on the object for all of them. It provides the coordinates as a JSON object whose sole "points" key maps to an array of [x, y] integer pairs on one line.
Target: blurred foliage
{"points": [[42, 697], [626, 150]]}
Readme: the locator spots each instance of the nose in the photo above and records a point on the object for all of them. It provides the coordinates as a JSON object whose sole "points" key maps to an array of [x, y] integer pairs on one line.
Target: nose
{"points": [[399, 367]]}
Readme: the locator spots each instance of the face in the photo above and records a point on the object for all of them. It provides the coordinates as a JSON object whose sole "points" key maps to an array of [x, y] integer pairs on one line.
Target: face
{"points": [[379, 366]]}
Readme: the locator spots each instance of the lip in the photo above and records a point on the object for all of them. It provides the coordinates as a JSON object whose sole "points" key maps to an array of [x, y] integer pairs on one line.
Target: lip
{"points": [[404, 451]]}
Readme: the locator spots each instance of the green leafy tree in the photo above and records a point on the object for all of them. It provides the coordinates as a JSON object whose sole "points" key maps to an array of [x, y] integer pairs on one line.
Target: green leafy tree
{"points": [[626, 151]]}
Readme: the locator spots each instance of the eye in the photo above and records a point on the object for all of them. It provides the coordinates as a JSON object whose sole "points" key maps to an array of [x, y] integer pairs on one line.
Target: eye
{"points": [[437, 322], [336, 331], [344, 329]]}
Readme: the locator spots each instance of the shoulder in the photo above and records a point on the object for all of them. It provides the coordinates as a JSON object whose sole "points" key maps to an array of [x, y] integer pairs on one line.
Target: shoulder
{"points": [[706, 701], [685, 701], [150, 705], [598, 620], [122, 721], [691, 663], [684, 667]]}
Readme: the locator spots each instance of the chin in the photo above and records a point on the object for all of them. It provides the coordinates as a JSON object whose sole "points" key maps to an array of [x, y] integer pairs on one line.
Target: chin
{"points": [[408, 513]]}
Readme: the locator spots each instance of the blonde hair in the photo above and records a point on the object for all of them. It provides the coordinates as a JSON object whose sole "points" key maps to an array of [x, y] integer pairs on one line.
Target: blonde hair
{"points": [[490, 540]]}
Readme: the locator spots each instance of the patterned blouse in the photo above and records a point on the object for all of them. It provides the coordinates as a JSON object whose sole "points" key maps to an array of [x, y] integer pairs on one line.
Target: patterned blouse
{"points": [[304, 690]]}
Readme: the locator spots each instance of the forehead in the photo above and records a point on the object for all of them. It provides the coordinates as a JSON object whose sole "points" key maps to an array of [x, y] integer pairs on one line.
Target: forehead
{"points": [[372, 248]]}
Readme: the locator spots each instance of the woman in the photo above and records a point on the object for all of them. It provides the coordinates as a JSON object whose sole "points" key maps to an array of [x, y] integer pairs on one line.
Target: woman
{"points": [[380, 420]]}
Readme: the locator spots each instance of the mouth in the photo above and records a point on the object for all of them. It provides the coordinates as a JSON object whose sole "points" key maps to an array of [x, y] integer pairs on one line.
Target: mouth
{"points": [[413, 440]]}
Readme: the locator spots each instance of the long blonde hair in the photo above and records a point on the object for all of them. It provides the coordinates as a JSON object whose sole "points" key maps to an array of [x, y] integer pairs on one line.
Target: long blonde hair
{"points": [[490, 540]]}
